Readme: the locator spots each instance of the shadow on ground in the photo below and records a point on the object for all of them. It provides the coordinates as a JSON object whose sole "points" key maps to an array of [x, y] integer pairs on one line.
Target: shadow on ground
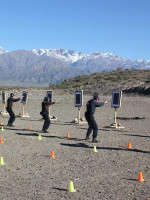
{"points": [[82, 145]]}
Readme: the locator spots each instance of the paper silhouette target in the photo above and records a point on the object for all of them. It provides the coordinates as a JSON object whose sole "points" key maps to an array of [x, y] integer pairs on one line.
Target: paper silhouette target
{"points": [[116, 99], [3, 96], [50, 96], [24, 97], [78, 98]]}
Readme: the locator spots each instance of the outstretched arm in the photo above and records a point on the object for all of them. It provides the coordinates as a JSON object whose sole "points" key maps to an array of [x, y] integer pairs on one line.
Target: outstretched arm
{"points": [[50, 103], [99, 104], [15, 100]]}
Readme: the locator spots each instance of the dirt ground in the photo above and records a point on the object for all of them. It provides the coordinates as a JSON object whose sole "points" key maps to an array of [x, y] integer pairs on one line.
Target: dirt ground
{"points": [[30, 174]]}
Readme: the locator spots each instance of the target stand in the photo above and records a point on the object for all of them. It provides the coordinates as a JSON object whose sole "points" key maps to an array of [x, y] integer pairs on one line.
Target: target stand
{"points": [[52, 118], [115, 124], [79, 103], [79, 120], [49, 94], [4, 111], [24, 102], [23, 114], [116, 103]]}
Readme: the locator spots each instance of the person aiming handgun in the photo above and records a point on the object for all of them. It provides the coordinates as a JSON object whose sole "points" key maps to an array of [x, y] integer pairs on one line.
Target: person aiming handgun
{"points": [[45, 114], [89, 115], [10, 102]]}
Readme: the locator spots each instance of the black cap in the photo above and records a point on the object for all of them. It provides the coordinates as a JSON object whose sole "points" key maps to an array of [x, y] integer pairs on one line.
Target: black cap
{"points": [[96, 96], [12, 95], [46, 98]]}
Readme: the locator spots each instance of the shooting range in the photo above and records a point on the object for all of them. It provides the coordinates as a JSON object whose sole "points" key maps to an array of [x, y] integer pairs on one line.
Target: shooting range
{"points": [[116, 104], [49, 94], [4, 104], [30, 157], [79, 103], [24, 102]]}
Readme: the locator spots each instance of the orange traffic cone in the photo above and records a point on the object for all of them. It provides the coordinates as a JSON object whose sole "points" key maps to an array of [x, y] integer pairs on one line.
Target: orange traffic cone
{"points": [[140, 177], [68, 135], [1, 123], [1, 140], [52, 154], [30, 127], [129, 145]]}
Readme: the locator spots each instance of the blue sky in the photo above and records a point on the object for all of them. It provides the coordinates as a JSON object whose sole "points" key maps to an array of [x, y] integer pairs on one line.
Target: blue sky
{"points": [[121, 27]]}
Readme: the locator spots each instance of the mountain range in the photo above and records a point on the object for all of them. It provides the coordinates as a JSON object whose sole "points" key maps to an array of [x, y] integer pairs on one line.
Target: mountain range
{"points": [[41, 67]]}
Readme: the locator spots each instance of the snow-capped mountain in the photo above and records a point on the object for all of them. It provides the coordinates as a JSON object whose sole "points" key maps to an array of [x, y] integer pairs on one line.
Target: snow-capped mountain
{"points": [[95, 62], [44, 66], [61, 54], [81, 59], [73, 56], [2, 50]]}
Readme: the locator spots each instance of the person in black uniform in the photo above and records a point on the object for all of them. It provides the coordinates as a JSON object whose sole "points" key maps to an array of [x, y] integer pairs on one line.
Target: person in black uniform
{"points": [[89, 115], [45, 113], [10, 101]]}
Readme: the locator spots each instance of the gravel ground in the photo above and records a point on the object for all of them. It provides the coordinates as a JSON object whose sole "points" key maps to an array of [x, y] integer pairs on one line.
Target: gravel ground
{"points": [[30, 174]]}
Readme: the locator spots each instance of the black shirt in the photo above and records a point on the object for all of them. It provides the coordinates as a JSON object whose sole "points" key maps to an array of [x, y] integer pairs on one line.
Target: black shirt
{"points": [[45, 106], [91, 106], [10, 101]]}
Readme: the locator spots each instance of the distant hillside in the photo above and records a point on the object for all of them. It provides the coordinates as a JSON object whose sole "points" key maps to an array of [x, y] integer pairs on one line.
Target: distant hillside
{"points": [[129, 81]]}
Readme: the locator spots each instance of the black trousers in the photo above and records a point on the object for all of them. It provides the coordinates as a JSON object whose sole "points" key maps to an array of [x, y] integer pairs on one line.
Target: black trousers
{"points": [[46, 122], [12, 116], [92, 125]]}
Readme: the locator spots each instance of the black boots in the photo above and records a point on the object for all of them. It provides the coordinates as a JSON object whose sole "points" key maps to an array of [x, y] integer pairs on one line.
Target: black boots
{"points": [[45, 131], [11, 125], [87, 137], [94, 140]]}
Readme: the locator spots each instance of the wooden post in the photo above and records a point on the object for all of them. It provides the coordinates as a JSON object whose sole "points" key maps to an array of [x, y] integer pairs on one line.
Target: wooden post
{"points": [[115, 118], [79, 109], [49, 111], [4, 108], [23, 110]]}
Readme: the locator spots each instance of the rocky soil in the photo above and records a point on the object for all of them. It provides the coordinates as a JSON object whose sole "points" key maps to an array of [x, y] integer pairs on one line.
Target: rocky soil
{"points": [[30, 174]]}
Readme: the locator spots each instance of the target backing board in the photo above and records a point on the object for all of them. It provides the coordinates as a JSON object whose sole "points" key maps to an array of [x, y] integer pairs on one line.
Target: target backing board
{"points": [[78, 98]]}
